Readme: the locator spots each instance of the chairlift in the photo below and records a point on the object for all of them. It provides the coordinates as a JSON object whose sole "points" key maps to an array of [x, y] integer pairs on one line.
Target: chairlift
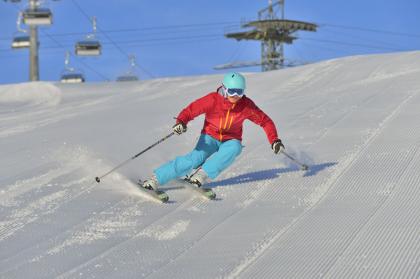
{"points": [[69, 74], [90, 46], [22, 41], [130, 74], [37, 16], [128, 78], [72, 78]]}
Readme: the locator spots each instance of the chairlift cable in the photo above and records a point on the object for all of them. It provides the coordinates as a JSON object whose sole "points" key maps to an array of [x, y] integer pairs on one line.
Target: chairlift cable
{"points": [[352, 44], [80, 61], [61, 46], [111, 40], [372, 30]]}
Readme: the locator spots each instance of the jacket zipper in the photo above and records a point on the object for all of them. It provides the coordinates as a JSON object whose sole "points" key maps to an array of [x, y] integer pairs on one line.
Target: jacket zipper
{"points": [[226, 122]]}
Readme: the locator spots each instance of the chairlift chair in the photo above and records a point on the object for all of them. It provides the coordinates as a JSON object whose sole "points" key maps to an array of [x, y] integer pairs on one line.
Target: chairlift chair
{"points": [[20, 38], [72, 78], [38, 16], [128, 78], [130, 74], [69, 74], [22, 41], [88, 48]]}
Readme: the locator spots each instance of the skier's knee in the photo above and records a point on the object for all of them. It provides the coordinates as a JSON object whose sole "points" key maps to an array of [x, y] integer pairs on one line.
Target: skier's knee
{"points": [[235, 147]]}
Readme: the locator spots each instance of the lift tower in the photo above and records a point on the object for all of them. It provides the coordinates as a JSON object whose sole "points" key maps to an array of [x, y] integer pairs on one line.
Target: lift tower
{"points": [[34, 16], [33, 48], [273, 32]]}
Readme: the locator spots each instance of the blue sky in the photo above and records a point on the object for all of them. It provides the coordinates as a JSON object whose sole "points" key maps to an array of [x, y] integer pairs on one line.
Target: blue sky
{"points": [[185, 38]]}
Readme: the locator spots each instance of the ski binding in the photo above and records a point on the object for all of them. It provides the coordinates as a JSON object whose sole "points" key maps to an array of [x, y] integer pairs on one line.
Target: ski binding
{"points": [[158, 195], [204, 192]]}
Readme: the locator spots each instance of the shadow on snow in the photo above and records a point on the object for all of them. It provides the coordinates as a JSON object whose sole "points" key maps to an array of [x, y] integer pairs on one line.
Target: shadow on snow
{"points": [[269, 174]]}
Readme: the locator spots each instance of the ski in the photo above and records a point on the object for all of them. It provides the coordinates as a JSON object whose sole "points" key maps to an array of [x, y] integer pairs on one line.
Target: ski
{"points": [[202, 191], [158, 195]]}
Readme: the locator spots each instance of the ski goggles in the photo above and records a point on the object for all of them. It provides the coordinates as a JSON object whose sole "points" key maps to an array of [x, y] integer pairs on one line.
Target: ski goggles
{"points": [[231, 92]]}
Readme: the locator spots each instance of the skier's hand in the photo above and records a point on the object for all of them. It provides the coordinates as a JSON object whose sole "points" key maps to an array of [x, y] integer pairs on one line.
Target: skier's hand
{"points": [[179, 128], [277, 146]]}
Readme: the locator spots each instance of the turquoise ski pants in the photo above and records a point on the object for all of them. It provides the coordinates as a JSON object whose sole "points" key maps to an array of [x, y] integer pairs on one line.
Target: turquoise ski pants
{"points": [[212, 155]]}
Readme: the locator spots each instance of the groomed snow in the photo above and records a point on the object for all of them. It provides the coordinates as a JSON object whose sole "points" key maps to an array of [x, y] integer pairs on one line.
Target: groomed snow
{"points": [[353, 214]]}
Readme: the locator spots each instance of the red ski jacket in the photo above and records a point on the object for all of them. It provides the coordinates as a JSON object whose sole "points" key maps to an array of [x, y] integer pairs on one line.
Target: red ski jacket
{"points": [[224, 120]]}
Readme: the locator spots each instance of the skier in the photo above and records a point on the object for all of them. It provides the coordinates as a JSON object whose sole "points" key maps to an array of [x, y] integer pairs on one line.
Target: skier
{"points": [[220, 141]]}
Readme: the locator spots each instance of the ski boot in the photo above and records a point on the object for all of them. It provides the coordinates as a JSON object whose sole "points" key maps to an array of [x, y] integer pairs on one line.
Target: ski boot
{"points": [[199, 178], [151, 184]]}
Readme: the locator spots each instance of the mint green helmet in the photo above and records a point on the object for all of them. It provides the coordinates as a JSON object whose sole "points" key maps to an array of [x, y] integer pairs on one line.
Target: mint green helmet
{"points": [[234, 80]]}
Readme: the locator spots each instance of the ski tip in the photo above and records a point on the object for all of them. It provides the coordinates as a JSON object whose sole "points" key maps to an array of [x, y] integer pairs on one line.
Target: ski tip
{"points": [[162, 196], [210, 194]]}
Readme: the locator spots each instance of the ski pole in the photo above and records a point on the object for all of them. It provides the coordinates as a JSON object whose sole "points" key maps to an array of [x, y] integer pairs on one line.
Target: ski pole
{"points": [[302, 166], [98, 178]]}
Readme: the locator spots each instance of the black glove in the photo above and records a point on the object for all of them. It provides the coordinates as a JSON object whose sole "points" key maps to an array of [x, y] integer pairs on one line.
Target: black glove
{"points": [[179, 128], [277, 146]]}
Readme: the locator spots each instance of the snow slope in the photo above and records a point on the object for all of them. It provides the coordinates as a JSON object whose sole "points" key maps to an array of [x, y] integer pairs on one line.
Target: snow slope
{"points": [[354, 214]]}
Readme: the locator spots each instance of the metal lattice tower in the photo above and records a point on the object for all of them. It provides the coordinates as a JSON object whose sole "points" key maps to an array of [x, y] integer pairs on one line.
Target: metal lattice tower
{"points": [[273, 31]]}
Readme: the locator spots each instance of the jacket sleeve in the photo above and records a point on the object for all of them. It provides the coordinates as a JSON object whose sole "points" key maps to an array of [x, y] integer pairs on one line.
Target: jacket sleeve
{"points": [[260, 118], [196, 108]]}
